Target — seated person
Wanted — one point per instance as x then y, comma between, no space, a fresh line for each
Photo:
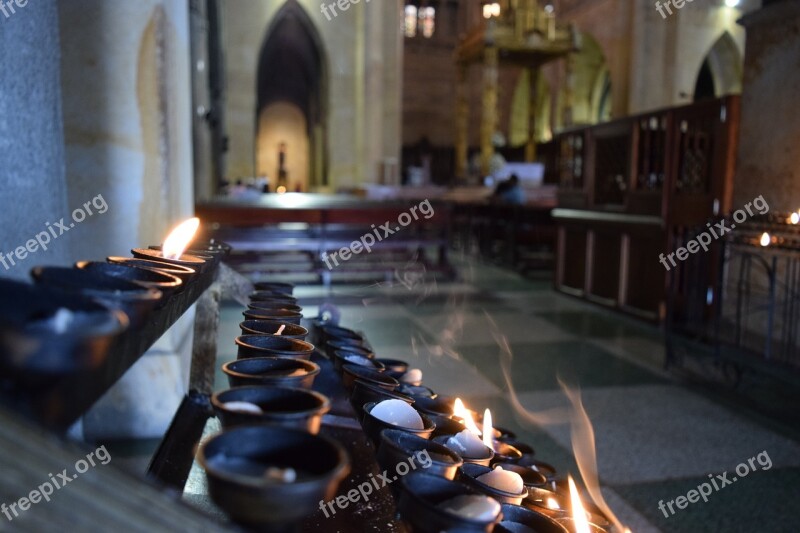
510,191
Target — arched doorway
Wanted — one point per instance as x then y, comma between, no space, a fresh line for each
721,70
291,114
589,78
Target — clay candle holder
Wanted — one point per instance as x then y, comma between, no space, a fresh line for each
515,518
134,300
342,357
350,373
269,327
185,260
46,332
274,286
272,346
238,464
259,296
272,306
277,315
280,406
421,499
396,446
184,273
271,372
333,346
151,279
468,474
329,333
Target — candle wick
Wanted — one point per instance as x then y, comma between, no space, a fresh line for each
280,329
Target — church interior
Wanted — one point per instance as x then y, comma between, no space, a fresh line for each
400,265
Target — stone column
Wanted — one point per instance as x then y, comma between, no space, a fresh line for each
31,138
462,121
533,93
491,62
769,156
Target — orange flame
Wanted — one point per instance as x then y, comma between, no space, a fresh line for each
487,429
765,239
460,411
578,512
177,241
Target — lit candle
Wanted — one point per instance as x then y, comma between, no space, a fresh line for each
177,241
461,411
467,444
398,413
504,480
473,507
413,376
765,239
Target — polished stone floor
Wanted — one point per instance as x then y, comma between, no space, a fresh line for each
656,437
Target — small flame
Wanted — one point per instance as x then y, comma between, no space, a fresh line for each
487,429
578,512
281,190
460,411
177,241
794,218
552,503
765,239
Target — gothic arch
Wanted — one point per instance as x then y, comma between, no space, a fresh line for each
723,66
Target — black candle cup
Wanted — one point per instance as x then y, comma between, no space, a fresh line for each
29,342
503,434
515,516
546,469
273,306
539,499
441,405
329,333
364,393
272,346
468,474
444,424
212,246
270,327
531,478
260,296
417,391
274,286
373,426
187,260
505,453
235,462
350,373
332,346
151,279
483,460
184,273
276,315
271,371
397,446
420,502
211,257
525,449
134,300
395,367
342,357
281,406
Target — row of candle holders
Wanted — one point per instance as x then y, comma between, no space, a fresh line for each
70,317
269,466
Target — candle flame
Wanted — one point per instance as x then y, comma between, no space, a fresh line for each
460,411
281,190
552,504
765,239
280,329
578,512
794,218
487,429
177,241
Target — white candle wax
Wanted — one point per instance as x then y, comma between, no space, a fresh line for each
504,480
467,445
412,376
244,407
474,507
398,413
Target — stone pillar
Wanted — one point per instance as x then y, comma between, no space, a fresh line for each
533,94
491,66
462,121
31,138
769,156
127,121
